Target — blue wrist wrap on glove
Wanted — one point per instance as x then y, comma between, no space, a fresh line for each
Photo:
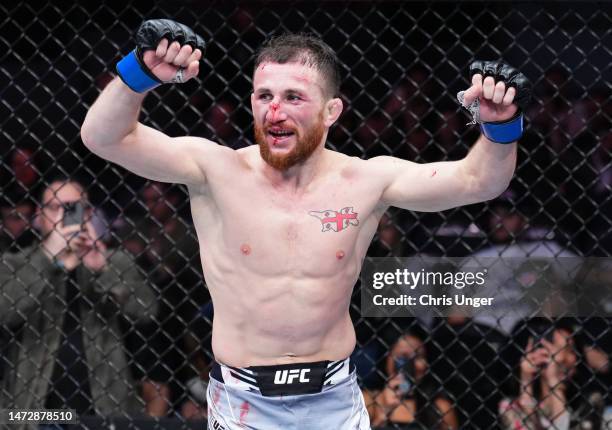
133,74
504,132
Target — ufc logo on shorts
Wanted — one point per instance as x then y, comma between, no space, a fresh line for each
288,376
217,426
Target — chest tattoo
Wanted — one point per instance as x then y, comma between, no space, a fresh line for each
332,220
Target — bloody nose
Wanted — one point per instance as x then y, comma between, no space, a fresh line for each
274,112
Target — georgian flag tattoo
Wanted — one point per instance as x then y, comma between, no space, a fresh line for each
336,220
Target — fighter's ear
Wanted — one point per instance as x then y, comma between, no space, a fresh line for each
333,109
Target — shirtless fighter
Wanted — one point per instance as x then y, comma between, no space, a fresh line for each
284,225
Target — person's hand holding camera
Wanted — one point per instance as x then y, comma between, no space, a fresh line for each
73,240
91,250
553,374
61,241
533,361
61,245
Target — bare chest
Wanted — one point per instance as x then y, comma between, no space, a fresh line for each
310,234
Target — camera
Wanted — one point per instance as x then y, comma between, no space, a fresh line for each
74,213
405,368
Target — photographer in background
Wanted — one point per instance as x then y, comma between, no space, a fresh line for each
410,399
544,393
60,302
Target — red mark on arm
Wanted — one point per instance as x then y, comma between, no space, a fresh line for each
245,249
433,173
340,255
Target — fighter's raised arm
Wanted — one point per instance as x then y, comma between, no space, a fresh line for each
497,99
166,52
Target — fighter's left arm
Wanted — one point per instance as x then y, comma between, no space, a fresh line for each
496,104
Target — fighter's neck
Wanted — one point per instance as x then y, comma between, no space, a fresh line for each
298,178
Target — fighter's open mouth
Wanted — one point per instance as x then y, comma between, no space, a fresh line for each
280,133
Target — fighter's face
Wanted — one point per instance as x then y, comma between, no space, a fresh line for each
291,113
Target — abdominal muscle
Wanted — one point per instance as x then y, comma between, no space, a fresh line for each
267,321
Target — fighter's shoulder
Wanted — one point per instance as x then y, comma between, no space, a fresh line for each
390,167
385,161
345,165
208,153
202,144
248,156
348,165
248,151
216,161
383,165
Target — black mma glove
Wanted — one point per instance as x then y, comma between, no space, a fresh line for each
512,129
132,69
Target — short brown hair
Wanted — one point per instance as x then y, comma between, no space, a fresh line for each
306,49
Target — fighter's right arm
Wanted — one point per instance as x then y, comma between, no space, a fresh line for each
166,52
112,131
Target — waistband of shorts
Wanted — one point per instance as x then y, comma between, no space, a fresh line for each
250,378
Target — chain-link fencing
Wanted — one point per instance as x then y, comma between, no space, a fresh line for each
133,340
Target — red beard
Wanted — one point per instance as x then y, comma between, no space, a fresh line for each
302,150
